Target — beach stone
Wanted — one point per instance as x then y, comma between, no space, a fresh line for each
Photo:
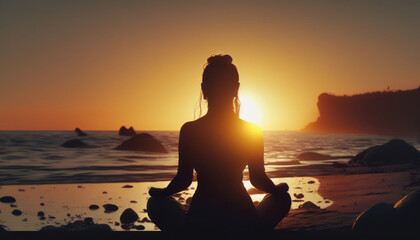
313,156
40,213
110,208
139,227
13,205
298,196
308,205
311,182
126,132
133,201
88,220
42,204
75,143
17,212
381,217
7,199
79,226
408,210
396,151
80,133
128,216
126,226
127,186
21,190
142,142
93,207
42,218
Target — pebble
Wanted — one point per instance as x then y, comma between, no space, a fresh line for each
40,213
311,182
17,212
127,186
300,195
132,201
110,208
139,227
93,207
88,220
42,204
7,199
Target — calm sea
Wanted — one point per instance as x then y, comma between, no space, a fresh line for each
32,157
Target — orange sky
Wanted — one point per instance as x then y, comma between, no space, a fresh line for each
98,65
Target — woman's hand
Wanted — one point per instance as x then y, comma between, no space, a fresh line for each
281,188
157,192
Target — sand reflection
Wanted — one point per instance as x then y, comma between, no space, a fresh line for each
64,203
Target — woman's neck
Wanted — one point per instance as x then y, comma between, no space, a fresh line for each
220,109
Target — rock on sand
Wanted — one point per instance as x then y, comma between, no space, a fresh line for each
129,216
393,152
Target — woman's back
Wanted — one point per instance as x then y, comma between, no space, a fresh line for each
219,150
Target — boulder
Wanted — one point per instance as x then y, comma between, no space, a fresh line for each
128,216
381,217
126,132
75,143
142,142
396,151
408,210
80,133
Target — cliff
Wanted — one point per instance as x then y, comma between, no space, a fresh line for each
388,113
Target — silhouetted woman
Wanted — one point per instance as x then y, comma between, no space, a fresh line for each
218,147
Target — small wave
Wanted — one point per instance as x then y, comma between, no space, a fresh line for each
13,157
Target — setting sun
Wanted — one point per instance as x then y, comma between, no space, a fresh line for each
249,111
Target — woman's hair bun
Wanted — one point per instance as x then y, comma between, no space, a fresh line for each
220,59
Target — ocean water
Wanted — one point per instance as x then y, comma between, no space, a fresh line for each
37,157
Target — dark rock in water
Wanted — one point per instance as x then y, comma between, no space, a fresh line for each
93,207
80,133
396,151
308,205
128,216
7,199
80,226
127,186
408,210
40,213
42,204
127,132
75,143
379,218
110,208
298,196
17,212
142,142
13,205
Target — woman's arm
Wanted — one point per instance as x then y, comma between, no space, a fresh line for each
184,176
257,175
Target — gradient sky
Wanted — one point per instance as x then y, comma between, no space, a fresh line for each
98,65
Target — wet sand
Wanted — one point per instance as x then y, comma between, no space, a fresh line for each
336,200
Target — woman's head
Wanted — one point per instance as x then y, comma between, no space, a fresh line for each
220,82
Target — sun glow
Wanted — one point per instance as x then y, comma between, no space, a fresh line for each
249,111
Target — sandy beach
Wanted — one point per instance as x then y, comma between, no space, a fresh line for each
336,200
